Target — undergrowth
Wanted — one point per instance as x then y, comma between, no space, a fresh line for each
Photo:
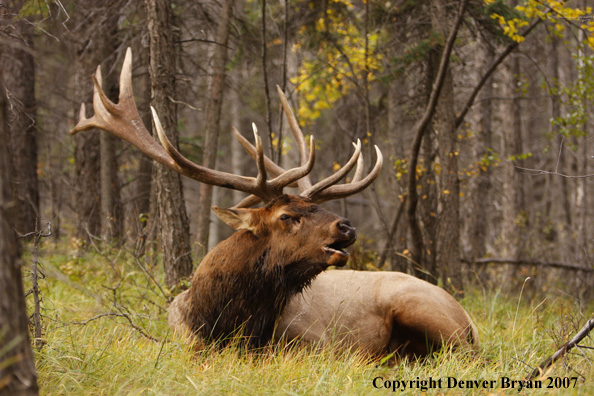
106,333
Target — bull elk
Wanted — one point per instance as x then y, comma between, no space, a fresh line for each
264,269
242,285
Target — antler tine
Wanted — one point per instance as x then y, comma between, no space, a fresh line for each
299,173
261,178
336,177
304,183
123,120
284,178
206,175
345,190
272,167
325,189
248,202
359,170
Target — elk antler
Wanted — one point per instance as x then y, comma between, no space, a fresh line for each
122,120
325,189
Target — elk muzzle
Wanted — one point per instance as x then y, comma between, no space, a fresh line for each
345,235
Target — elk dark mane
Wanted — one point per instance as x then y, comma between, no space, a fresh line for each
247,288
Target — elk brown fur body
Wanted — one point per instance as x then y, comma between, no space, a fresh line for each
378,313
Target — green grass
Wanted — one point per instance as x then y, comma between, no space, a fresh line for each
108,356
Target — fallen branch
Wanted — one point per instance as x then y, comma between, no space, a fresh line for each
536,263
563,350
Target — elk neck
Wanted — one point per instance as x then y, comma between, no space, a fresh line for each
244,283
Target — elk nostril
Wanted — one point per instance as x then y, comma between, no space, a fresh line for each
346,228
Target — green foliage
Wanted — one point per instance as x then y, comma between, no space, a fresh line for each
553,11
338,61
516,157
490,158
86,353
400,168
34,9
575,99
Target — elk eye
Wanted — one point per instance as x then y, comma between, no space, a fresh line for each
285,217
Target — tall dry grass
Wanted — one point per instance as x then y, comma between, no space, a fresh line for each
106,334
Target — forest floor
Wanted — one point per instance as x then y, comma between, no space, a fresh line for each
105,333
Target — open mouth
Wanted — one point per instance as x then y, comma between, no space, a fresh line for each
338,247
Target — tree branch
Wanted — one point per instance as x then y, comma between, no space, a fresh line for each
563,350
536,263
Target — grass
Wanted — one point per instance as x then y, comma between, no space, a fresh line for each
106,334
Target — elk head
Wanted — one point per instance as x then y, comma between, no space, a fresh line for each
245,281
297,233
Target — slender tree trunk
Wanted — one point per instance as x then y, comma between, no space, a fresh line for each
18,66
111,208
146,217
173,221
560,184
87,167
447,241
397,239
447,249
422,246
238,154
18,377
90,50
581,196
213,121
481,184
145,166
417,245
512,145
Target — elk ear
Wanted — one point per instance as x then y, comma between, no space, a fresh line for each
239,219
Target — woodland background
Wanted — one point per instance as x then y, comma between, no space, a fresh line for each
490,184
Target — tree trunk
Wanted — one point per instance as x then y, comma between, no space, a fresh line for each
560,184
481,184
90,51
213,120
19,75
447,241
417,245
581,196
512,145
111,213
111,207
173,221
18,377
397,239
145,220
87,168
